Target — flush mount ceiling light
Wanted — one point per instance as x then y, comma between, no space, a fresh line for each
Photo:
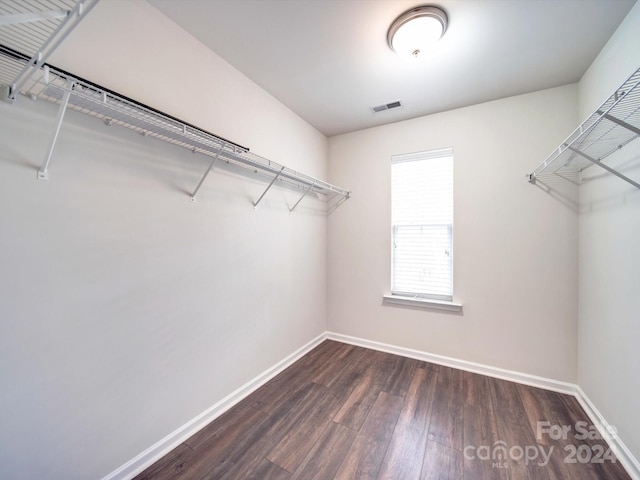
413,32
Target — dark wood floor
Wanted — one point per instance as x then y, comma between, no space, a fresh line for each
345,412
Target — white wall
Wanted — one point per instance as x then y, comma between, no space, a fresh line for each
126,310
609,300
514,244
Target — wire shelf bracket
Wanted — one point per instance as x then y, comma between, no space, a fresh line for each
43,173
195,191
610,128
605,166
301,198
255,204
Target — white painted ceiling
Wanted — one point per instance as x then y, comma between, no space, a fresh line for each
328,60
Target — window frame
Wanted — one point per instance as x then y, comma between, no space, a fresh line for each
429,300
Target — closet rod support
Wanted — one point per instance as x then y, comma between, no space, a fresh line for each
622,123
303,195
43,173
255,205
606,167
195,192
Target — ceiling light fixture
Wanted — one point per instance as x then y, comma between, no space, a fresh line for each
413,32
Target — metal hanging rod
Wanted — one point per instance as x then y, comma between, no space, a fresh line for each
70,91
610,128
10,56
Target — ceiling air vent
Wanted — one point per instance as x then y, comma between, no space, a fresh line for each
386,106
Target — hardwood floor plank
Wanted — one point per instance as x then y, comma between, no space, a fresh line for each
441,463
331,367
475,389
169,467
480,435
543,416
344,384
480,430
365,456
211,453
403,460
272,395
506,398
289,452
230,419
356,408
547,413
515,430
367,355
537,409
253,447
324,352
268,471
446,426
555,414
399,372
276,392
324,459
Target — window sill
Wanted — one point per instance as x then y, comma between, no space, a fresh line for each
422,303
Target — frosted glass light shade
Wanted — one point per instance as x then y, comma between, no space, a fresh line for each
416,30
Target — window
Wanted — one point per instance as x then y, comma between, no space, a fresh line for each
422,225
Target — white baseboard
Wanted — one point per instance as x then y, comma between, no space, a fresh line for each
164,446
152,454
624,455
518,377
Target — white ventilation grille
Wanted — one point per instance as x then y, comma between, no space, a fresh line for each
386,106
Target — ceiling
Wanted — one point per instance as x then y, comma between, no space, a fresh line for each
329,62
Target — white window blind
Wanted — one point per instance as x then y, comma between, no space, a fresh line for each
422,224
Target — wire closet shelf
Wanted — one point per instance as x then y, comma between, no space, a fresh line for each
611,127
46,82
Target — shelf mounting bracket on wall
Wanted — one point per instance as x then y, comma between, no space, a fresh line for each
300,199
609,129
255,205
215,159
626,125
606,167
43,173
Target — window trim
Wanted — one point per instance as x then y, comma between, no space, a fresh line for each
421,302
